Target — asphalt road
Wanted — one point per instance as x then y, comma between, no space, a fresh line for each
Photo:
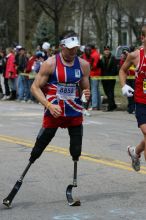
107,186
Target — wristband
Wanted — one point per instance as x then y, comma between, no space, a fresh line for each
48,105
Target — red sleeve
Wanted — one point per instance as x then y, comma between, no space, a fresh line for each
95,58
121,62
29,65
10,64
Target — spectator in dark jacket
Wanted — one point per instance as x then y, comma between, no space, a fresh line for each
22,63
109,68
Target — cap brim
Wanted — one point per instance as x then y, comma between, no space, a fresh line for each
70,42
72,45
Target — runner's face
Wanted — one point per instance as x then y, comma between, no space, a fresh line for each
143,35
69,54
143,39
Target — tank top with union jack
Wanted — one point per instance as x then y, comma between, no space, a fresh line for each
140,80
63,88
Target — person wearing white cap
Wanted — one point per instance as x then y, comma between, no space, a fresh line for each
62,77
46,47
58,86
70,42
18,47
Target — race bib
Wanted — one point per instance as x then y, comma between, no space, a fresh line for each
66,91
144,86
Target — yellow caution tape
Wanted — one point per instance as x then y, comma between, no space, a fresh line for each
30,75
110,77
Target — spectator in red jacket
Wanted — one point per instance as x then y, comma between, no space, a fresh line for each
94,73
93,57
2,70
10,75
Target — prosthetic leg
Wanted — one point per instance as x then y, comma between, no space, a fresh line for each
75,151
70,199
43,139
8,200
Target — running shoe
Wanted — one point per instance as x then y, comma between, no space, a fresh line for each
134,157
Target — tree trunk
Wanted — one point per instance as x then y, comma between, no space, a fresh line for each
22,22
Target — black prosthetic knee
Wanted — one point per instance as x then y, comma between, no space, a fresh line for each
43,139
76,134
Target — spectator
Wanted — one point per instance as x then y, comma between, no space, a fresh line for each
22,87
46,47
109,68
2,70
92,56
10,75
31,75
17,52
95,71
40,57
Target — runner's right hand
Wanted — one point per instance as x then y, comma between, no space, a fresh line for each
127,91
55,110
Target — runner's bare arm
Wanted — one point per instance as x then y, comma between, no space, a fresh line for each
40,80
84,83
124,68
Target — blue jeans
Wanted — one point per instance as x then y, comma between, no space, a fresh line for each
95,93
29,96
23,89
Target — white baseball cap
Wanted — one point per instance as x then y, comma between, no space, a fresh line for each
18,47
70,42
46,45
82,48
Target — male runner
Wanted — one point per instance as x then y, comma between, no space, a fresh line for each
58,86
138,59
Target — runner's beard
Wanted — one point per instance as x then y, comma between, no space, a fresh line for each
68,60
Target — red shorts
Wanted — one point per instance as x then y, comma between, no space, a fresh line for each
63,122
